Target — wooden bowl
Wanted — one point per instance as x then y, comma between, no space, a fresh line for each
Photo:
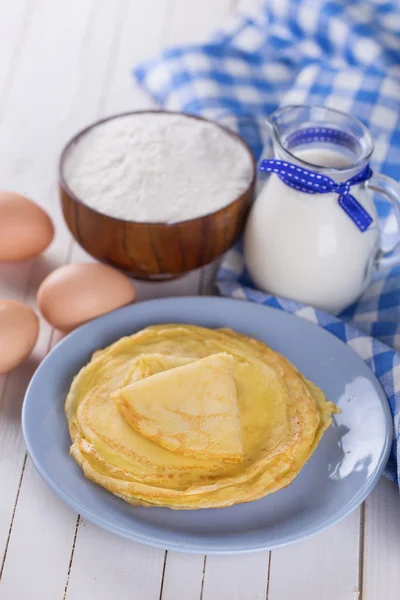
153,251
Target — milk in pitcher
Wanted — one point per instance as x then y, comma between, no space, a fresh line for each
305,247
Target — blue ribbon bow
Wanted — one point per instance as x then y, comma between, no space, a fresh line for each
312,182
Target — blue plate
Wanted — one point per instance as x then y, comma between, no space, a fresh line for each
341,473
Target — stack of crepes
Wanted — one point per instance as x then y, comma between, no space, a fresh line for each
188,417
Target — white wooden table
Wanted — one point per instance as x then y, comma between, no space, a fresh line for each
64,63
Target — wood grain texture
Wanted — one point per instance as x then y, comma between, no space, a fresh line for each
241,577
381,572
40,544
324,566
183,576
106,567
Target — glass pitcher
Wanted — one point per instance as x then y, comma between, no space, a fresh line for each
319,246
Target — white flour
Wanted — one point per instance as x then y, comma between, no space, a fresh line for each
157,167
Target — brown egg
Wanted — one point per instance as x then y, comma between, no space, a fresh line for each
76,293
19,329
25,228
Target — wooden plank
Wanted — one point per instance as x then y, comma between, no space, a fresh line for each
195,23
106,566
240,577
381,572
323,566
140,37
19,151
63,67
183,576
12,450
14,21
40,543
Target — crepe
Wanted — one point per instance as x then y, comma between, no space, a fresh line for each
279,418
191,409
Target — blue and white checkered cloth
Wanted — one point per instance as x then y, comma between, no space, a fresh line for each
341,53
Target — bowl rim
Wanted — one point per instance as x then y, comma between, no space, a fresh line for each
82,132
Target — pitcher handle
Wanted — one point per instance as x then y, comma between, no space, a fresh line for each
389,188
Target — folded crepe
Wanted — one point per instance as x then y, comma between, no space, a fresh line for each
191,409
